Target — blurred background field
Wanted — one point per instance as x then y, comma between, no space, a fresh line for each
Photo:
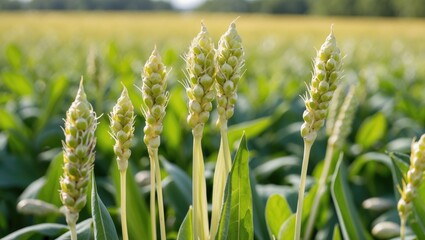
44,54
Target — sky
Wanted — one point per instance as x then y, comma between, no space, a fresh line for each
186,4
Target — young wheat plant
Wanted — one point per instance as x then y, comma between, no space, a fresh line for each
324,82
413,181
155,99
122,130
78,157
200,68
230,61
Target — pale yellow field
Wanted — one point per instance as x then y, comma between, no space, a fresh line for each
180,28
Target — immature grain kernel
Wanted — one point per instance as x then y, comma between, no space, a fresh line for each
326,73
200,67
414,177
230,63
155,98
78,154
122,128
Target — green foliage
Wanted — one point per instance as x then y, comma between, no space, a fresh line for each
31,232
277,212
372,130
185,231
39,73
236,215
350,221
103,225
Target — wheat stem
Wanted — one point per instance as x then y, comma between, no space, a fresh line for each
152,199
307,149
320,191
73,230
200,213
123,204
154,156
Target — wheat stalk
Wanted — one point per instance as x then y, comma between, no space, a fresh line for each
78,157
122,130
326,74
155,99
230,61
200,70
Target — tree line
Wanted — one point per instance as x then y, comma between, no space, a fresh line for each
387,8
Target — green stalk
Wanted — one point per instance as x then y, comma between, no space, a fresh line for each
306,157
222,169
152,200
159,193
123,204
320,191
402,228
73,231
200,207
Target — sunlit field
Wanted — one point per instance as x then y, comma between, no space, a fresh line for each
43,55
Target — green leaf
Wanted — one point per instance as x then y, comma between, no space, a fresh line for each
236,216
337,234
138,219
14,56
185,231
277,212
53,100
44,229
17,83
84,231
250,128
372,130
104,227
177,189
348,217
287,230
50,190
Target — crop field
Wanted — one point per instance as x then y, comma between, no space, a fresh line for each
43,56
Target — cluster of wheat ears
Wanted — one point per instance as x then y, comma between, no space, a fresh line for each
211,73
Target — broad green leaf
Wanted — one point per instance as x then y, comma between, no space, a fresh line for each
33,189
14,56
250,128
138,219
9,121
14,172
44,229
177,189
337,234
351,225
277,212
185,231
359,163
236,215
53,100
287,230
52,185
372,130
180,178
17,83
84,231
104,227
